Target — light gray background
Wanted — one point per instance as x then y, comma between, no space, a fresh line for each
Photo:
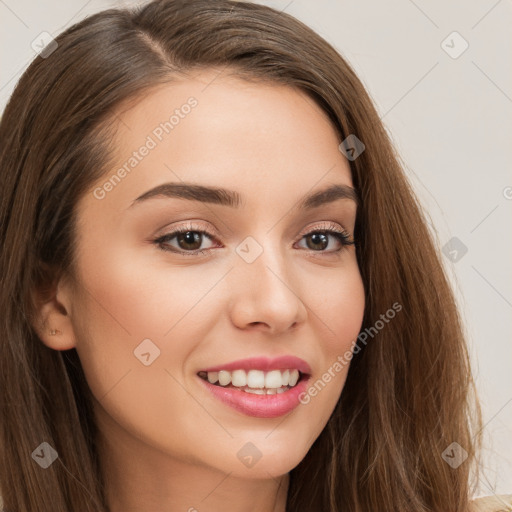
451,121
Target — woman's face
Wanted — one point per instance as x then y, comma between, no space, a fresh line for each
149,312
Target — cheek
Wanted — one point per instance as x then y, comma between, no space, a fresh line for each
134,296
137,327
337,307
136,318
337,312
343,306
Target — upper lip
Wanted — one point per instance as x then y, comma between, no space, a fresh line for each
264,364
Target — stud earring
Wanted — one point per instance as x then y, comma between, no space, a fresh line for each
53,332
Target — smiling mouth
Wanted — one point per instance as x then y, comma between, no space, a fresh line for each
255,381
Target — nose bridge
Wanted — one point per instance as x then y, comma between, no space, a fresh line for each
263,288
263,260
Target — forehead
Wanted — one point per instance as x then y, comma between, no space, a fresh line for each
220,130
224,105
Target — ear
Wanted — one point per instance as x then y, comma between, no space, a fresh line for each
52,299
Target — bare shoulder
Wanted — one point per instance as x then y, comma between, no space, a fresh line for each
494,503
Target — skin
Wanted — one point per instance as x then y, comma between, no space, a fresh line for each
166,443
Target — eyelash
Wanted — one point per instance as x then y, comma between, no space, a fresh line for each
341,235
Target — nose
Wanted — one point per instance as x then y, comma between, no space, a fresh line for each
266,295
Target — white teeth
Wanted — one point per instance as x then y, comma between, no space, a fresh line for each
213,377
272,382
224,378
273,379
239,378
256,379
294,377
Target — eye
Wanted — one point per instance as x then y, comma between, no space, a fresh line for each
318,240
188,240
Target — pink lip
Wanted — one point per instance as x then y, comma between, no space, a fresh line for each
264,364
261,406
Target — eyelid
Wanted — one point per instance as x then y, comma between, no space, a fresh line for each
190,225
324,226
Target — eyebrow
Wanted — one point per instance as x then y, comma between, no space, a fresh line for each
233,199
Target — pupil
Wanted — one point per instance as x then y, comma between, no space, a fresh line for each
319,238
191,237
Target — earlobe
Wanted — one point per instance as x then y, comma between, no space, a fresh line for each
54,328
57,339
52,321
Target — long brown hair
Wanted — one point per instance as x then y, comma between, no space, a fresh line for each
409,393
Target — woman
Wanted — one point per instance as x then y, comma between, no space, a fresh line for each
219,290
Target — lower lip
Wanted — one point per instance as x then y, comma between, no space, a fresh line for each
261,406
